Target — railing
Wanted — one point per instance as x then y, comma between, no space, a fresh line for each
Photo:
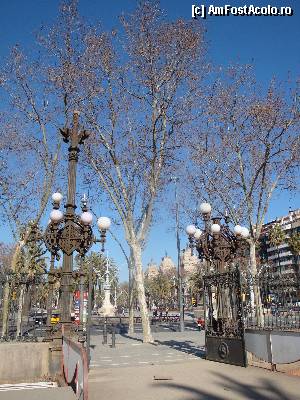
19,296
117,320
271,301
165,318
137,320
75,367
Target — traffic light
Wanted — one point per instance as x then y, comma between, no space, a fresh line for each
194,302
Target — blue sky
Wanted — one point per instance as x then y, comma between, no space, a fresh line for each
272,44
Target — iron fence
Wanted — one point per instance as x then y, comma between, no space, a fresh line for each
271,301
24,305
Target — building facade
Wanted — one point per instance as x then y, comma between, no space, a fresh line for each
281,258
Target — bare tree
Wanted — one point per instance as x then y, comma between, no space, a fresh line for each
135,110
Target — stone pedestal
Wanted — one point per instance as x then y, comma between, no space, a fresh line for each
107,309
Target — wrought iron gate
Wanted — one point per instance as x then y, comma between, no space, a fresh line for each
224,326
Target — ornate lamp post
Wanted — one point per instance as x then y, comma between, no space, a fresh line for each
220,247
68,232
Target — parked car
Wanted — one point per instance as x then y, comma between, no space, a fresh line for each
40,318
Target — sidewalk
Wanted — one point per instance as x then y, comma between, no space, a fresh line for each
174,369
201,380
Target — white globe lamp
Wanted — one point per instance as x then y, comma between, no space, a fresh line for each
205,208
86,218
103,223
245,232
238,230
57,197
215,228
197,234
190,230
56,216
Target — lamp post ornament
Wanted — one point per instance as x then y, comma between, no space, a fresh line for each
217,244
68,232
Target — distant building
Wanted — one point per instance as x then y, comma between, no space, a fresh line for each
281,258
190,262
167,265
151,270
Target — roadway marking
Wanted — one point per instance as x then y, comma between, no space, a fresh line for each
114,364
28,386
170,353
154,354
144,362
136,344
124,356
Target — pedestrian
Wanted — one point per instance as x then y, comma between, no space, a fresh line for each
154,310
167,312
160,313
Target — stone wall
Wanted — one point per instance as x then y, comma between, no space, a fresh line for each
25,362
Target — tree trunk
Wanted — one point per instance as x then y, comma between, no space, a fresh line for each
5,310
139,280
20,311
131,300
255,291
27,304
7,290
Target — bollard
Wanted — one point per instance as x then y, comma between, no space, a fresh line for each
113,336
105,332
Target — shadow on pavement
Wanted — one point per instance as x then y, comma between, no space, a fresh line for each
186,346
125,335
264,390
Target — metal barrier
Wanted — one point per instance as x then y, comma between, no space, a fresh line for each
272,316
275,347
279,301
75,367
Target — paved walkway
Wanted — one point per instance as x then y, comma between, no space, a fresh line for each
170,347
174,369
